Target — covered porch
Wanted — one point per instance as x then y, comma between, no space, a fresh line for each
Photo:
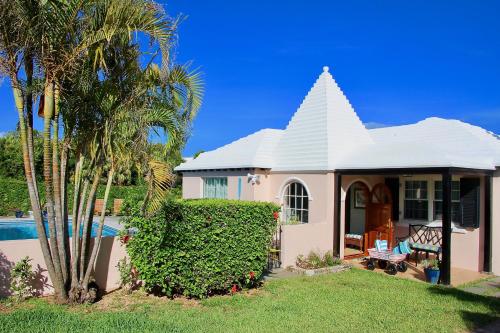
453,205
458,276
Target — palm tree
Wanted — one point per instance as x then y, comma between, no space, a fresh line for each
81,58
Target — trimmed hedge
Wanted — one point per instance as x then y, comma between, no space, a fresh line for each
202,247
14,195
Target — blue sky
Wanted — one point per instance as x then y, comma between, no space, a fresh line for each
398,62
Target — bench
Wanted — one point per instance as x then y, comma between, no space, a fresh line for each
354,240
425,239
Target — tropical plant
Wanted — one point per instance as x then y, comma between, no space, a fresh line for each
127,275
432,264
80,63
21,279
315,260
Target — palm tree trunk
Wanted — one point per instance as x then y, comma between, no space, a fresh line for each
30,180
64,202
56,181
78,203
97,239
87,222
28,65
49,189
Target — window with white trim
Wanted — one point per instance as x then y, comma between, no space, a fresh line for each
295,204
215,187
416,203
455,201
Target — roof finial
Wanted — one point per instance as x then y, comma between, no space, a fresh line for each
325,69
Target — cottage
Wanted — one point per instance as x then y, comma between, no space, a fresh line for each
341,185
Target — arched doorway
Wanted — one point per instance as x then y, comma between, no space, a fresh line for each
355,219
367,218
379,215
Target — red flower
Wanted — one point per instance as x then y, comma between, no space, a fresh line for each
252,275
125,239
276,215
234,289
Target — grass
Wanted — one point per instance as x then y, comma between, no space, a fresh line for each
355,300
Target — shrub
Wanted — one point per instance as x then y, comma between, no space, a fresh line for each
14,195
315,260
202,247
21,279
127,276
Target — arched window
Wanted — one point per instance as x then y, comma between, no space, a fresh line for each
296,204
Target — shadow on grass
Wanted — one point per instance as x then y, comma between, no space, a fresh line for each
473,320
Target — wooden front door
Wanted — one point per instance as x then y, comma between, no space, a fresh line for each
378,216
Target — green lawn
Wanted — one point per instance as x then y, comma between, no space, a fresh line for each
353,301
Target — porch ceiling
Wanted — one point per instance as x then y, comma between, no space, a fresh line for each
414,171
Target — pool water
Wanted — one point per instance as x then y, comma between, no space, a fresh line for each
12,230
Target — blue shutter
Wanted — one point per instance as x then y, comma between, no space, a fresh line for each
469,202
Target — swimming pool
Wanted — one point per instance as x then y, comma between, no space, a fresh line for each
26,229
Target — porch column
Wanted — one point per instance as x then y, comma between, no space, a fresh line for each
487,224
338,215
446,245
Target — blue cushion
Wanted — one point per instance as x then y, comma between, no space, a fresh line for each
404,247
396,250
425,247
381,245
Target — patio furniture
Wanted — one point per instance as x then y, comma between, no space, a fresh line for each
386,259
425,239
354,240
117,206
99,204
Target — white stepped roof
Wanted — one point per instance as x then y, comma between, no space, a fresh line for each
326,134
323,130
433,142
253,151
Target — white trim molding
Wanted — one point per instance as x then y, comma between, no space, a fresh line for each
292,180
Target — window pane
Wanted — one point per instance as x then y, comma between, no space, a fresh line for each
416,209
296,203
455,190
215,187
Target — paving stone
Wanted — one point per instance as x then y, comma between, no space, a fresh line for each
279,273
491,328
489,284
476,290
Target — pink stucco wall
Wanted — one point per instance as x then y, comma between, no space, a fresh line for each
318,234
106,273
192,184
496,223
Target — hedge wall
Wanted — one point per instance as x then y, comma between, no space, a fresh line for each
14,195
202,247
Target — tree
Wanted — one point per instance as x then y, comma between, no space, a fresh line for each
79,61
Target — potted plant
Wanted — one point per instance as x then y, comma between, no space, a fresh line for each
19,213
431,269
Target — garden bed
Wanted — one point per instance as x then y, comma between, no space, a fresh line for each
323,270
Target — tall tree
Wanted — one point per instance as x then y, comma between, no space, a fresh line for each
81,61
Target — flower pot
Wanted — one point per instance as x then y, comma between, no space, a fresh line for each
431,275
19,214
